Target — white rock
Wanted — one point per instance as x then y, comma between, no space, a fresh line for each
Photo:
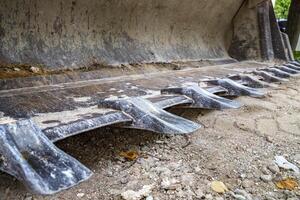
133,195
266,178
209,197
219,198
170,183
150,198
283,163
243,176
197,169
34,69
80,195
239,197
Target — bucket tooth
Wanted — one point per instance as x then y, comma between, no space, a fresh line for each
288,70
148,116
278,72
33,159
292,66
174,101
253,81
268,77
218,90
237,89
203,98
295,63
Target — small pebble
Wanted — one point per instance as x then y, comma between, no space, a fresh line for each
80,195
243,193
237,196
269,139
149,198
274,168
219,198
247,183
34,69
170,184
266,178
209,196
124,180
269,198
265,171
243,176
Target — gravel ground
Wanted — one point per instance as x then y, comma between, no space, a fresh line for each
235,147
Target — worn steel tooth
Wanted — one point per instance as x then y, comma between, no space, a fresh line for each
295,63
287,69
148,116
175,101
292,66
203,98
217,90
268,77
277,72
31,157
252,81
237,89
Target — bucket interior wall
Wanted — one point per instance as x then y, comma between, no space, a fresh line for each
68,33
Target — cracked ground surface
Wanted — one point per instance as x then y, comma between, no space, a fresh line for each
234,146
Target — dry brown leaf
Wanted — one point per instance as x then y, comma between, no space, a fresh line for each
287,184
130,155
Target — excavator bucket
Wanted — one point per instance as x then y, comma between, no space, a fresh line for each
67,67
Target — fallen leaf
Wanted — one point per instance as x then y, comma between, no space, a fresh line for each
287,184
219,187
130,155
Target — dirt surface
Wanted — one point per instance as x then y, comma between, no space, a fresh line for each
236,147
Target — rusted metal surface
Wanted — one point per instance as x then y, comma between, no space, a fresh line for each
74,33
